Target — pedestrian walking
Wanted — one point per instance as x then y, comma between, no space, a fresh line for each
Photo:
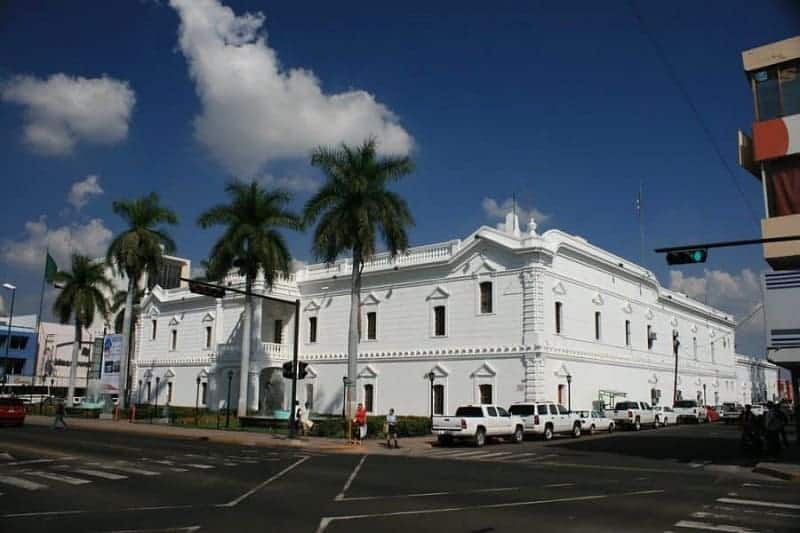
61,411
360,422
751,439
305,420
773,424
391,429
298,414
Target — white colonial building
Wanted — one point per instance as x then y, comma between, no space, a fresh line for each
501,316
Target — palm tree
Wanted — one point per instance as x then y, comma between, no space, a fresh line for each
250,244
353,207
83,294
136,251
118,310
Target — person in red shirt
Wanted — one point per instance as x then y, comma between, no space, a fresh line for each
361,422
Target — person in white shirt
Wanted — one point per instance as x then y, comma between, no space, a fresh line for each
391,429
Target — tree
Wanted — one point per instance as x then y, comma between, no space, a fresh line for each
118,310
352,208
82,295
250,244
136,251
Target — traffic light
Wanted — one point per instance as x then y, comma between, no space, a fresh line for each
206,289
302,371
288,366
288,369
686,257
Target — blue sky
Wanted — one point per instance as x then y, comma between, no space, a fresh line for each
565,104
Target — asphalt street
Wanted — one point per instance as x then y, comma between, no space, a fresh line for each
678,479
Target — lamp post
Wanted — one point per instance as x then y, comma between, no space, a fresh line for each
197,401
344,396
13,290
228,404
431,376
158,379
676,343
569,392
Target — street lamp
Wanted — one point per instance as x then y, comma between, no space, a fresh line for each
431,376
13,290
344,396
676,343
228,405
569,392
197,401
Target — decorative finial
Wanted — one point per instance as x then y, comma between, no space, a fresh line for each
532,227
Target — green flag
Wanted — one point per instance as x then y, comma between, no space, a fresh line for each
50,269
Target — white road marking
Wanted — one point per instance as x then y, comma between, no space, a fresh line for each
690,524
758,503
518,456
42,513
5,456
60,477
557,485
350,479
265,483
39,461
21,483
199,466
496,454
427,494
188,529
99,473
176,469
230,464
129,469
465,454
534,459
444,453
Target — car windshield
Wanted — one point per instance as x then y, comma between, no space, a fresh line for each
686,403
469,412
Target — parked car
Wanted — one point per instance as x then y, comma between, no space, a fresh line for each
690,411
593,421
731,412
633,414
712,414
758,409
12,411
664,415
546,419
477,423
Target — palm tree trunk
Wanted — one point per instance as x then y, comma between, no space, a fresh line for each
353,337
244,370
126,337
73,368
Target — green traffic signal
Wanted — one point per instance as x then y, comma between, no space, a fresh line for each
685,257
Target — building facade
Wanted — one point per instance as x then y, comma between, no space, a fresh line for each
757,381
501,316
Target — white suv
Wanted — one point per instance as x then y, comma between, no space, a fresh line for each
547,418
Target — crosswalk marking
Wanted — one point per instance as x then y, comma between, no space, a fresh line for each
466,454
99,473
21,483
496,454
128,469
199,466
758,503
59,477
691,524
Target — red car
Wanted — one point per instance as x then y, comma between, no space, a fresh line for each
713,415
12,411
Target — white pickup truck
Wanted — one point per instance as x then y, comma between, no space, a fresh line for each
690,411
633,414
476,423
546,419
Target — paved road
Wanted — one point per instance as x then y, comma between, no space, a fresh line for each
101,482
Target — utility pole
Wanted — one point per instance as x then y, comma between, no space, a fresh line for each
675,345
295,369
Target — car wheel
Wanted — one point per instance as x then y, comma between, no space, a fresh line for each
548,433
576,430
480,438
519,435
637,425
611,428
591,429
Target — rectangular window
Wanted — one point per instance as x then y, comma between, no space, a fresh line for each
438,399
491,411
486,393
154,329
312,329
372,325
627,333
173,343
369,397
277,335
203,393
597,319
486,297
768,95
790,88
438,321
309,398
208,336
149,391
558,317
18,342
649,337
169,392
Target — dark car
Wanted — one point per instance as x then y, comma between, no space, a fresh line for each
12,411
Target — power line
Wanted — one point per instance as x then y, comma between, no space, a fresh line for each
698,117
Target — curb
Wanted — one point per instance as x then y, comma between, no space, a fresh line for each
785,472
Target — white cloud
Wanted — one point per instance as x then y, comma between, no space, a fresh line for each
291,183
255,110
737,294
80,191
63,110
495,210
91,238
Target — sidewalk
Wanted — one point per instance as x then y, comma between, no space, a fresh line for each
242,438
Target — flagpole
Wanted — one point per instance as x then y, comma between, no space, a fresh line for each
39,318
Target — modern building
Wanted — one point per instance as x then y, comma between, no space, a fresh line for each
772,154
18,355
502,316
757,380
